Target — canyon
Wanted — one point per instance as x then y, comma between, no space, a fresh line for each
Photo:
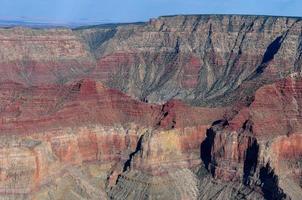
179,107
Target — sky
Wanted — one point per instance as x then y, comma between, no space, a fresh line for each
111,11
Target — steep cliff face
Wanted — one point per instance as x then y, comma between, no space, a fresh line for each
261,144
180,107
33,57
197,58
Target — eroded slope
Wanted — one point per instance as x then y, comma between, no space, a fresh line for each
181,107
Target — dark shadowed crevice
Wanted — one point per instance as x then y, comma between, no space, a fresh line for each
206,149
177,46
250,162
164,113
298,60
137,149
272,49
248,126
162,117
270,184
222,122
196,24
269,54
207,145
173,123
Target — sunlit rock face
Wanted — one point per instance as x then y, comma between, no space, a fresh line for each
201,59
180,107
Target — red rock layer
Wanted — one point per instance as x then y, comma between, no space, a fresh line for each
35,160
54,115
286,156
35,57
266,133
60,126
275,110
197,58
35,108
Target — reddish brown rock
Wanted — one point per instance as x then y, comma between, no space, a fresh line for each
286,155
276,108
115,111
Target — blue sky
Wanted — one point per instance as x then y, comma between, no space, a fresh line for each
138,10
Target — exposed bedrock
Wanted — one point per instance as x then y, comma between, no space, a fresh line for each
230,155
45,144
37,56
194,58
244,149
276,109
237,157
180,107
197,58
29,164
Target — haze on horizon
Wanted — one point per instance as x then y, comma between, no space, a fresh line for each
101,11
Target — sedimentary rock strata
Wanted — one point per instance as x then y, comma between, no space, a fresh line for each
180,107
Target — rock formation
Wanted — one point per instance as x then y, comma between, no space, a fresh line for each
180,107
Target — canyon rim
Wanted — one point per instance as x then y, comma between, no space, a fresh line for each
180,107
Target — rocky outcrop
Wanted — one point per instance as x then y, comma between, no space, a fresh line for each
244,149
40,129
34,57
180,107
281,114
197,58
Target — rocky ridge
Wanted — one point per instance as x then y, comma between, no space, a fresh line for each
180,107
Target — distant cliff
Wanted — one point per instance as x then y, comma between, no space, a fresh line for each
180,107
196,58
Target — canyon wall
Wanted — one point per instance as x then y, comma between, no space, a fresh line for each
180,107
